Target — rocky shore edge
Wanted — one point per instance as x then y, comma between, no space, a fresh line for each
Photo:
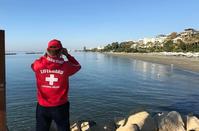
143,121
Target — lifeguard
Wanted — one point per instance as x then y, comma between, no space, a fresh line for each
52,78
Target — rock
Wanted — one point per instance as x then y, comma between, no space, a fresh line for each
192,123
83,126
74,127
120,123
132,127
171,122
143,121
158,117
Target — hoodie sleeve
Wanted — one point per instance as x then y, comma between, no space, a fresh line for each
73,65
36,65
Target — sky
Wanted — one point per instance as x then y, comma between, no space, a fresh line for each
30,24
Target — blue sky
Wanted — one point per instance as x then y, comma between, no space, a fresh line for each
30,24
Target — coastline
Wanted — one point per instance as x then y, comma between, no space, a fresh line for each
143,121
182,62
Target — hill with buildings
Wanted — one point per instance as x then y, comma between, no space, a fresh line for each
186,41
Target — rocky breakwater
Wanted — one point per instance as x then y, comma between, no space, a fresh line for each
143,121
171,121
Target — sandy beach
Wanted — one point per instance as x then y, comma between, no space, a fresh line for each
191,64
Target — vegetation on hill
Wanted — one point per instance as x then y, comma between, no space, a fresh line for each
188,43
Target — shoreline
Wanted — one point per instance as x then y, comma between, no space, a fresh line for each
182,62
143,121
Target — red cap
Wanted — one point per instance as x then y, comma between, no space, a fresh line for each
54,44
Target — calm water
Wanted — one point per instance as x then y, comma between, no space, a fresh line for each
107,87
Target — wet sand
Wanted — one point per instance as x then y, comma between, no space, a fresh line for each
191,64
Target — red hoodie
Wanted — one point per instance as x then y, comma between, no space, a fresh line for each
52,79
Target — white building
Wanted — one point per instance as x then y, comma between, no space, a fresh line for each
176,39
134,46
146,40
160,38
100,47
188,32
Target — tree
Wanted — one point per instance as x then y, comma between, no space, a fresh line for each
182,45
168,46
114,45
107,48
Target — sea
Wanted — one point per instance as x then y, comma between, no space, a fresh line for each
106,88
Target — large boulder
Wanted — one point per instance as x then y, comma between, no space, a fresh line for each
171,122
83,126
132,127
140,121
192,123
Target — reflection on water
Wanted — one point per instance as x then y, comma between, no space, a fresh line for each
154,71
106,87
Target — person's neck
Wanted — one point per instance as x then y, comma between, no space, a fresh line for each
53,56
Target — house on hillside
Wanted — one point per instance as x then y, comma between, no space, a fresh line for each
177,39
149,40
100,47
188,32
160,38
140,41
134,46
157,41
